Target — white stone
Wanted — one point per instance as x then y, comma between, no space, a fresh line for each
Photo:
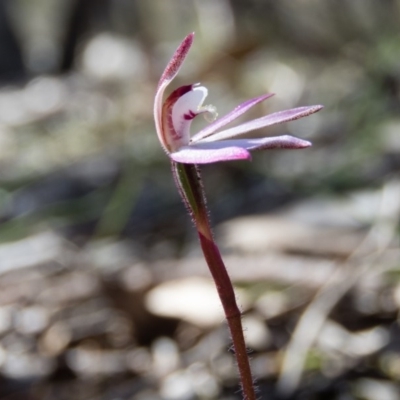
193,299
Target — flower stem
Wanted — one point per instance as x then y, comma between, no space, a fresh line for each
232,312
188,180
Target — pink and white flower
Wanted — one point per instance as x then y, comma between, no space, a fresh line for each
174,116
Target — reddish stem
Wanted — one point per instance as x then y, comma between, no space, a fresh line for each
232,312
188,180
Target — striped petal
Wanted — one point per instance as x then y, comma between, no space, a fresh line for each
226,119
268,120
179,110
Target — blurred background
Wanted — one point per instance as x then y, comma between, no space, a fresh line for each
103,290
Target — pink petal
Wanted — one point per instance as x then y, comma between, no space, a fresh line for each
268,120
177,60
204,155
273,142
227,150
169,73
226,119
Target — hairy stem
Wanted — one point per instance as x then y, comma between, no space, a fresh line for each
188,180
232,312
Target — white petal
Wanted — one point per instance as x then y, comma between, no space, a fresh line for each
185,109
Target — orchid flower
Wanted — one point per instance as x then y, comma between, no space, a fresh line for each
174,116
173,119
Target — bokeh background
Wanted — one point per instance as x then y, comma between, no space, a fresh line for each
103,290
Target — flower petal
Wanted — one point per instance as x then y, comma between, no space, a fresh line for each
184,110
226,119
169,73
209,153
268,120
273,142
227,150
